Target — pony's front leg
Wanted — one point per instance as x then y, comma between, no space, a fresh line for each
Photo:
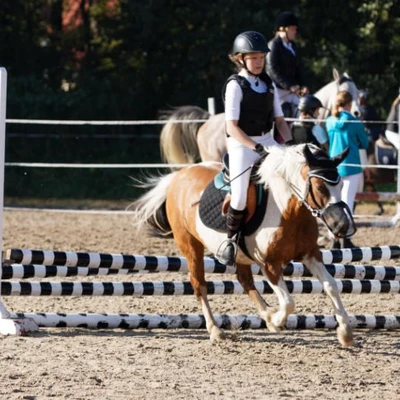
344,330
276,319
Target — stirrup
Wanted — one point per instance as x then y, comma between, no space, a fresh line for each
227,254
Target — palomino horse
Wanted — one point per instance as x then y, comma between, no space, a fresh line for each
188,142
299,184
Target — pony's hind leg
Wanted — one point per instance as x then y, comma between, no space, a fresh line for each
245,277
193,250
344,330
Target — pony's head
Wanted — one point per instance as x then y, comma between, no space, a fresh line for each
327,94
307,172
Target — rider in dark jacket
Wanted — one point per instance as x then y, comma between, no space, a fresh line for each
284,64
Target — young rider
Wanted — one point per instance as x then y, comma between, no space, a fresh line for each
306,131
252,106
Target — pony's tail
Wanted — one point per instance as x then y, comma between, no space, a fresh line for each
150,211
178,141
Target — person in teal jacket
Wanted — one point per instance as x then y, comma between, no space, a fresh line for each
345,130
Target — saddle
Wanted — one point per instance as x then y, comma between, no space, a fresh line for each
215,201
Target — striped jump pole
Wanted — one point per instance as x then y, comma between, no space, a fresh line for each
18,288
294,270
192,321
115,261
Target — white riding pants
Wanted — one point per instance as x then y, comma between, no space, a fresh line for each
350,188
286,96
241,159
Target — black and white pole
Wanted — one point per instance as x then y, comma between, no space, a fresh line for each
8,325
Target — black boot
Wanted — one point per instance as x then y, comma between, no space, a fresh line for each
227,255
336,244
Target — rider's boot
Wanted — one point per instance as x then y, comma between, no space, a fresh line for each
227,254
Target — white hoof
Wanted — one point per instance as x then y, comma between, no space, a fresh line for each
345,335
216,334
273,320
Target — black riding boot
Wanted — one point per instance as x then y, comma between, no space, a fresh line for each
227,255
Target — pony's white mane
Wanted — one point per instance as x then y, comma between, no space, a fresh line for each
282,164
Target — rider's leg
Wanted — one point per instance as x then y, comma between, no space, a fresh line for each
241,159
233,225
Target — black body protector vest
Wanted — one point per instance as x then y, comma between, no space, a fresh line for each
302,133
256,109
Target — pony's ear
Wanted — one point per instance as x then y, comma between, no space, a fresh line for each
340,157
336,74
311,160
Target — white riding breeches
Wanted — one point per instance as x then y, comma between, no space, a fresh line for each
286,96
350,188
241,159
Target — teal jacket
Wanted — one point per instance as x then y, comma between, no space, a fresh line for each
344,134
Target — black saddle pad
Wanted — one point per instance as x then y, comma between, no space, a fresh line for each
210,208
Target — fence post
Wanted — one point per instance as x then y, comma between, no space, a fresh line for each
8,326
211,105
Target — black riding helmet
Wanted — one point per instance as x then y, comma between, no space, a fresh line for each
309,103
286,19
250,42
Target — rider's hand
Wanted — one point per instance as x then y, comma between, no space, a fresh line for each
260,150
295,89
290,142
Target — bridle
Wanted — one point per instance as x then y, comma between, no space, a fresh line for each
321,173
335,216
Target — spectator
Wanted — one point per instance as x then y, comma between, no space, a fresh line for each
392,128
305,130
284,64
368,113
344,131
251,109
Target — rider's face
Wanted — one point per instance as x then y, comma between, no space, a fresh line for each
255,62
291,32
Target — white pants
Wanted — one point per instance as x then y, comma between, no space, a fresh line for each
287,96
350,188
241,159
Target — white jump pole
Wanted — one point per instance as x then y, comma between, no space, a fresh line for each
8,326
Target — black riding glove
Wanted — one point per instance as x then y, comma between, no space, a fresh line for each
290,142
260,150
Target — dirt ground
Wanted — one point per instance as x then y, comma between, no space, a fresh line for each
181,364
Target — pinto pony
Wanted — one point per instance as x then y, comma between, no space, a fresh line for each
302,183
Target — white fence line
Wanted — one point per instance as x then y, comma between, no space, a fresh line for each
151,165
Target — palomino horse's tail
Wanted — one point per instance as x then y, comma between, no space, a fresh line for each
150,209
178,141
